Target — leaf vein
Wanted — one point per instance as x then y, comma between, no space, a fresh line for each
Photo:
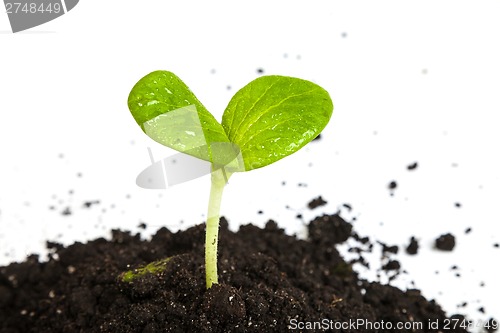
267,128
251,109
270,109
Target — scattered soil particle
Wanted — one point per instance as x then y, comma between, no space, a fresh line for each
66,211
412,248
337,229
362,240
90,203
468,230
445,242
412,166
347,206
392,265
393,185
389,248
260,71
318,137
317,202
267,279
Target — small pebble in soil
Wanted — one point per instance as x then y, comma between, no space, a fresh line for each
260,70
445,242
317,202
458,204
468,230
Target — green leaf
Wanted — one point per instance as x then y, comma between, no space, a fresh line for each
274,116
169,113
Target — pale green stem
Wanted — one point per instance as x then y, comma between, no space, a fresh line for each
219,180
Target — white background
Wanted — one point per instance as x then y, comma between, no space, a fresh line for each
411,82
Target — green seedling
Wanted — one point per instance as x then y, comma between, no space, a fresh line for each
267,120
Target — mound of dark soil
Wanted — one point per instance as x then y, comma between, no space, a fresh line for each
269,282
